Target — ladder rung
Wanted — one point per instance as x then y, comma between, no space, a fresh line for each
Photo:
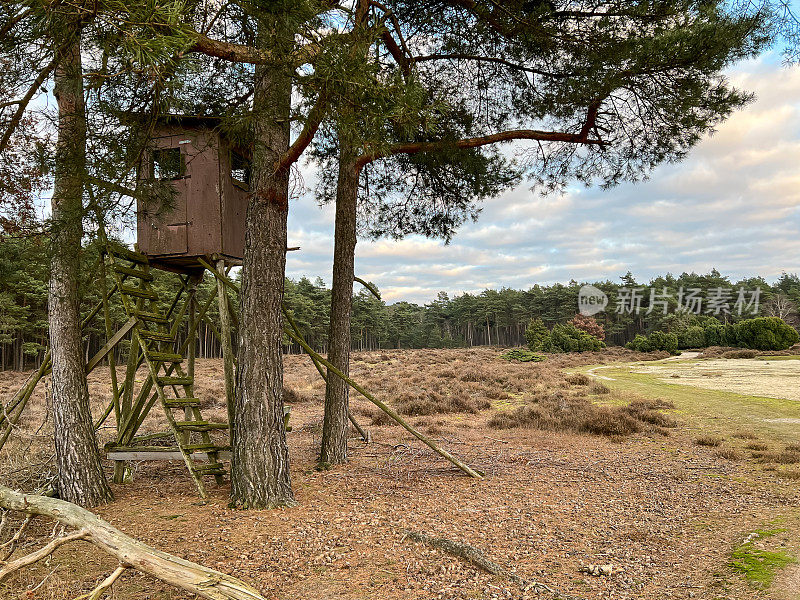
113,448
138,292
166,357
133,273
199,425
156,335
206,448
210,469
151,317
182,402
175,380
130,255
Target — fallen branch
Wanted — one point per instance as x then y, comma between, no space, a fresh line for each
131,553
39,554
477,558
97,592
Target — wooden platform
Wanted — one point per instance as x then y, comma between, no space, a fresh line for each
165,455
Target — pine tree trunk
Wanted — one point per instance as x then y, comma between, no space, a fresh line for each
80,474
260,466
335,425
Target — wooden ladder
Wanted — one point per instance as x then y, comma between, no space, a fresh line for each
156,333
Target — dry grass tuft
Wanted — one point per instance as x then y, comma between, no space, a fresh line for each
729,454
711,441
757,446
784,457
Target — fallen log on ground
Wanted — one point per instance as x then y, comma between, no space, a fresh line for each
131,553
477,558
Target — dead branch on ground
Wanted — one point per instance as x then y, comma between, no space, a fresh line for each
131,553
477,558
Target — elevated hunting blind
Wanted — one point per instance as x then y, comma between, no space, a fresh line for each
210,176
199,227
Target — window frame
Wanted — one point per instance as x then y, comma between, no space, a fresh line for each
180,174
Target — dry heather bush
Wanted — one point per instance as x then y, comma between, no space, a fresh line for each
793,475
598,388
715,351
578,379
792,448
711,441
745,435
428,382
557,411
292,396
433,402
743,353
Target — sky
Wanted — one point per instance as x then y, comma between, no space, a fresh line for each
733,204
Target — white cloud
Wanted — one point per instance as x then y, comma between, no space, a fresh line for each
733,204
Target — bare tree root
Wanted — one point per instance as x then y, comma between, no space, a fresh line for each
477,558
131,553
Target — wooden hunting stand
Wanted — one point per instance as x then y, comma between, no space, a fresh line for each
202,226
201,230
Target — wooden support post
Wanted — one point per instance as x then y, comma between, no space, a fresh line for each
112,363
227,344
191,348
122,473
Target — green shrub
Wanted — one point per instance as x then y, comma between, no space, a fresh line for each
520,355
766,333
568,338
639,344
714,334
658,340
692,337
536,335
731,335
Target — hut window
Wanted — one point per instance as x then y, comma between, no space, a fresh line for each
168,163
240,170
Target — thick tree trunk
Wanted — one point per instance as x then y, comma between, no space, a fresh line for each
80,474
260,466
335,425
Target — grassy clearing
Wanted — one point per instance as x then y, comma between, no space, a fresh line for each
712,412
758,565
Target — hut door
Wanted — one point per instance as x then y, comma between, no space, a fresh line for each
168,226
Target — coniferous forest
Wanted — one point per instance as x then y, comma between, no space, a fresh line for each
451,320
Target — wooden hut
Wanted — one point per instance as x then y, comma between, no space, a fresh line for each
211,178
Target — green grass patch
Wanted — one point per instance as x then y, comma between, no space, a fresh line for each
760,566
791,357
714,412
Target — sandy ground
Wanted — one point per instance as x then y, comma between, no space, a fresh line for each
770,378
664,512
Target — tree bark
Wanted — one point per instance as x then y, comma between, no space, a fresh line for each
335,424
260,457
80,474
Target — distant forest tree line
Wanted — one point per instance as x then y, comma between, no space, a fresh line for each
492,317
